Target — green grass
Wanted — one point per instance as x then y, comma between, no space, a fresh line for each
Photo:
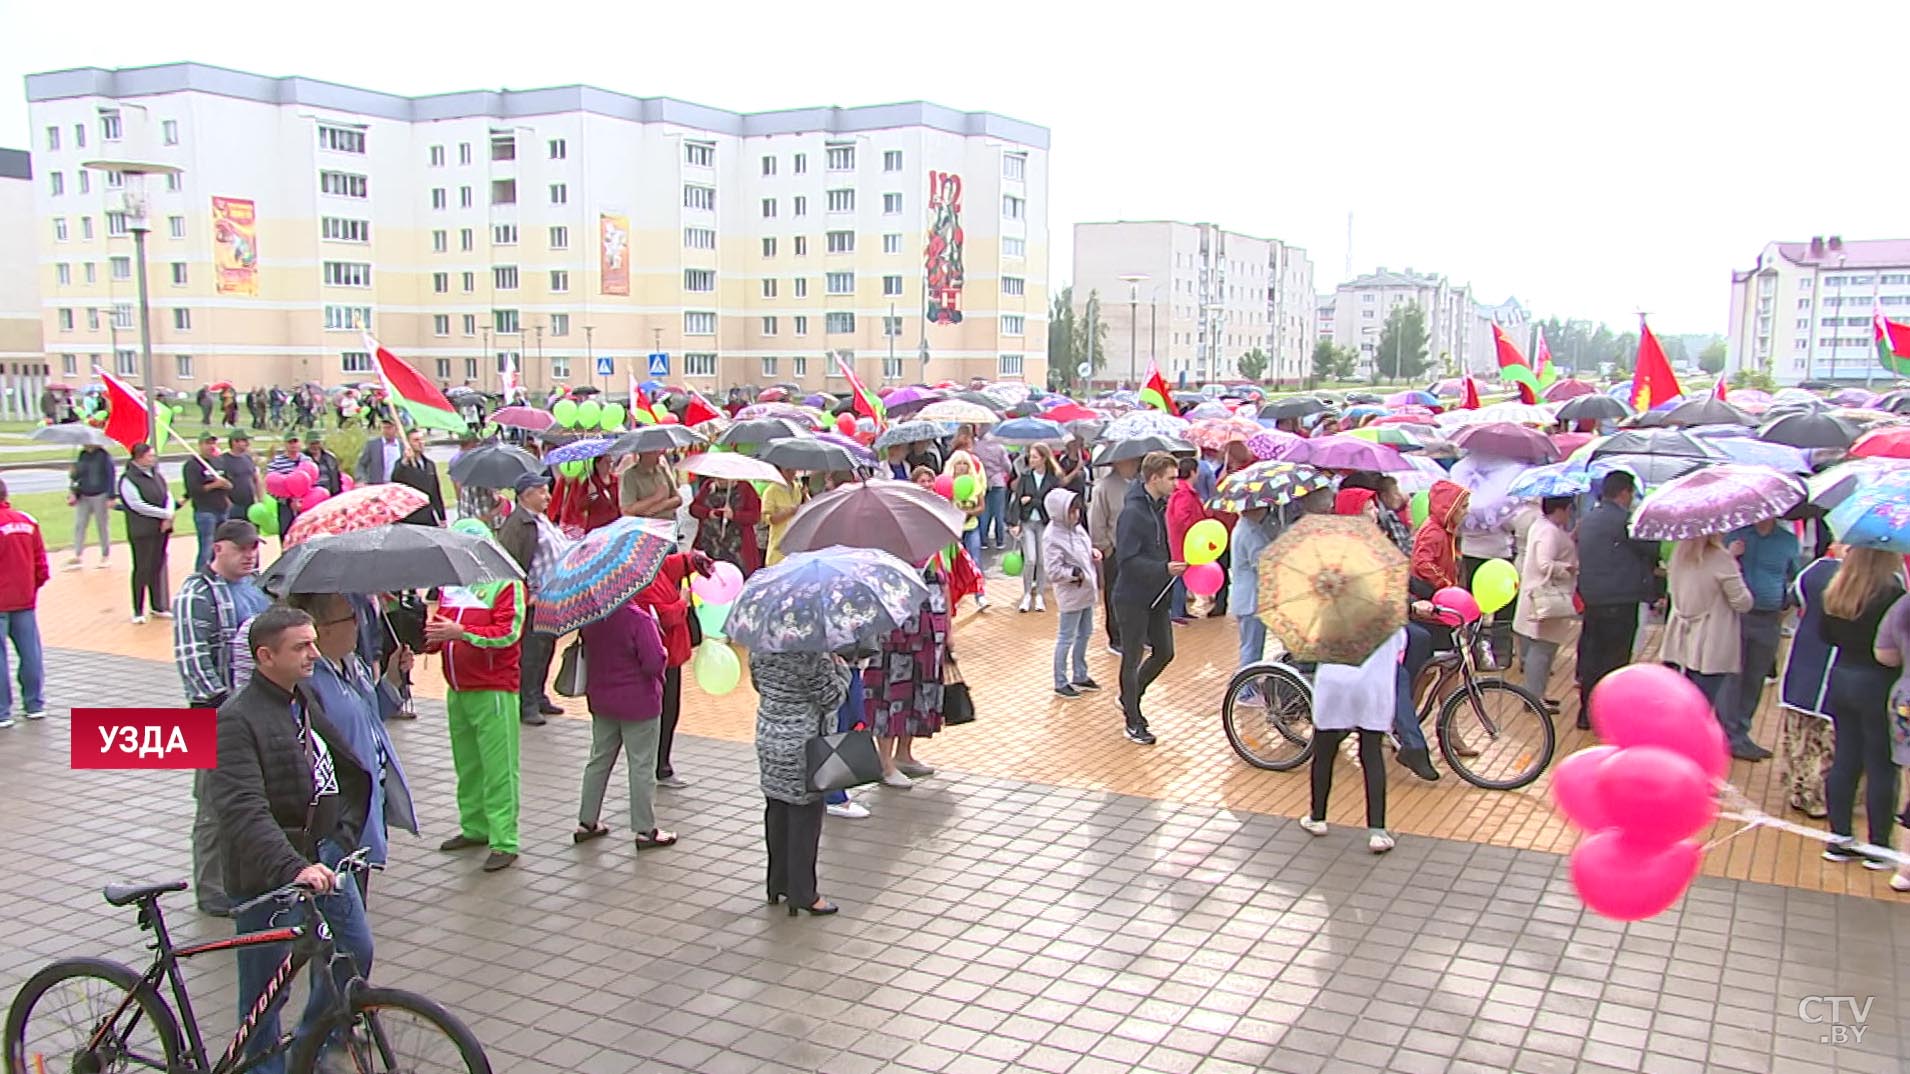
15,434
55,517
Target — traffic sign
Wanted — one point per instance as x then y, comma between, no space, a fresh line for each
659,363
606,366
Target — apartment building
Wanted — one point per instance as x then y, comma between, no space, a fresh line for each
1803,311
23,371
1458,328
551,227
1195,297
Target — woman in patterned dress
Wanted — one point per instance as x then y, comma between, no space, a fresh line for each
903,685
726,514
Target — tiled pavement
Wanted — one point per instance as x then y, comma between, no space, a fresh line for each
989,925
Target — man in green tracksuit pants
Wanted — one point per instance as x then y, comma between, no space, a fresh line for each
479,630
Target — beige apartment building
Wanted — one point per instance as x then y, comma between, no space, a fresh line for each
1194,298
1458,328
1803,311
23,370
550,227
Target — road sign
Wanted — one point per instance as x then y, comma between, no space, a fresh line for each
659,363
1084,369
606,367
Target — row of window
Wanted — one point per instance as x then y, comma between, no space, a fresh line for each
119,268
56,182
1862,301
109,130
1858,281
125,364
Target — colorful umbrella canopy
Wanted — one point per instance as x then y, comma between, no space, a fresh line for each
772,395
907,432
601,572
828,600
902,402
578,450
1029,431
358,508
1412,398
1111,452
1571,442
1404,437
1267,484
1897,402
523,417
1449,388
1072,411
389,559
1594,407
1707,410
1891,443
1716,499
898,517
731,466
1877,516
1569,388
1273,443
1742,448
957,412
493,466
1846,479
1214,434
857,451
1516,413
1145,423
1332,589
1342,452
1504,440
1558,479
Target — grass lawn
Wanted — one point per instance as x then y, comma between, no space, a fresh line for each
13,435
56,521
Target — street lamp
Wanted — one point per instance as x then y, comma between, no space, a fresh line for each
1210,323
135,204
1133,281
590,357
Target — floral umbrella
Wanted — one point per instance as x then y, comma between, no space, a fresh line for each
1273,443
1716,499
1878,516
789,411
1558,479
601,572
1332,589
957,412
1140,423
578,450
907,432
1267,484
902,402
1516,413
1504,440
1214,434
358,508
1343,452
825,601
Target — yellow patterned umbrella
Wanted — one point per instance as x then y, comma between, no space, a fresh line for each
1332,589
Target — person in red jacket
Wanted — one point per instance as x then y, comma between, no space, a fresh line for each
579,505
22,572
1436,545
666,598
726,514
1183,510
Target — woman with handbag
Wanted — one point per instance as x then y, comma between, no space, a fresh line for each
1542,619
904,684
624,663
797,694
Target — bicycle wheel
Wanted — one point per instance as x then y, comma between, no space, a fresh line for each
1507,726
60,1009
392,1031
1268,716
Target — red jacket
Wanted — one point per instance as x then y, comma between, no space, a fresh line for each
579,505
485,658
665,597
1183,510
22,560
1436,545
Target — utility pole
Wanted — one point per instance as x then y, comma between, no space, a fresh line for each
590,358
891,328
548,373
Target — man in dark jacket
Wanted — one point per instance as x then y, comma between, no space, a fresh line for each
330,469
209,493
1146,568
241,472
535,543
90,489
1614,578
291,802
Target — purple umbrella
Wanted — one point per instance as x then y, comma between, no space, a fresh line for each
1716,499
1273,444
1504,440
855,449
898,517
904,401
1341,452
1853,397
818,400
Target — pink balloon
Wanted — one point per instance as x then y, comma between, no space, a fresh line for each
1628,881
1652,705
294,484
345,483
275,485
945,487
1575,788
1204,579
309,468
722,585
1459,601
845,423
313,497
1655,796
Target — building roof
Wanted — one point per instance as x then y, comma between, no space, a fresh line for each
509,104
1182,223
1387,278
1837,252
16,164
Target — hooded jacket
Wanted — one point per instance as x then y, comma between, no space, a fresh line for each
1069,552
1140,548
492,616
1436,545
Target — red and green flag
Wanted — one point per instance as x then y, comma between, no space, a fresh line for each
642,411
420,398
1514,368
127,419
1154,391
1652,381
1893,341
867,403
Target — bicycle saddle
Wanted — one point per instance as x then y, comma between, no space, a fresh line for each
122,894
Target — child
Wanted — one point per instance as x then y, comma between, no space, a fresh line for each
959,467
1070,557
1346,699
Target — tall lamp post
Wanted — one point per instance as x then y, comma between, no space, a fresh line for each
135,204
1133,281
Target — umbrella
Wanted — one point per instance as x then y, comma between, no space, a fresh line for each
1594,407
1750,399
1570,442
653,438
1716,499
1516,413
1122,450
1450,387
1569,388
1894,402
1332,589
1070,411
1661,442
761,431
907,432
215,386
72,432
358,508
790,411
808,454
1795,395
1853,397
1877,516
1403,437
601,572
584,391
817,400
1648,469
1424,473
579,450
772,395
826,601
1007,393
898,517
1744,449
730,466
1209,409
1273,443
902,402
1558,479
523,417
1507,441
1412,398
1267,484
1298,406
1893,443
389,559
494,466
1342,452
958,412
1363,397
1408,415
1841,482
1214,434
1145,423
1028,431
1707,410
856,449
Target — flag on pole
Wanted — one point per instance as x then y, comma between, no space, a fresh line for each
1652,381
641,411
1154,390
1893,341
1544,352
127,419
1720,389
1512,365
420,398
513,383
1469,400
867,403
699,410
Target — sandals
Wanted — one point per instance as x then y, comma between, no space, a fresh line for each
654,838
585,835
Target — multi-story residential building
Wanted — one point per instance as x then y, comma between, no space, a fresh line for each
1454,325
1803,311
550,227
23,371
1325,309
1206,296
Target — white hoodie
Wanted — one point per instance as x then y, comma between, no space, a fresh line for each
1065,546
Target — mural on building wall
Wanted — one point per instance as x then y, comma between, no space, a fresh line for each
235,246
613,244
943,257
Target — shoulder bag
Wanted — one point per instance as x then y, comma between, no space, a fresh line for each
958,705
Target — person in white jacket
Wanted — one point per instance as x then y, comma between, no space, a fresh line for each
1071,561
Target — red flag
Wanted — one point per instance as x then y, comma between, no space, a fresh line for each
128,422
1510,358
1154,391
420,398
1470,400
1652,381
699,410
1720,388
641,411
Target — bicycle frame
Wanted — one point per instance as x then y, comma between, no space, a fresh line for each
1437,694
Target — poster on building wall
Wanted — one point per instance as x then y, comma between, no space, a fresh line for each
235,246
613,246
942,260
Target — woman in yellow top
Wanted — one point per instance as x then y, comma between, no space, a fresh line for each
780,503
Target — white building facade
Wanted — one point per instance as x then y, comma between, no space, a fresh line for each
1803,311
23,369
1455,324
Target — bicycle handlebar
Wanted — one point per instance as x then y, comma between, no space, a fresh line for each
351,863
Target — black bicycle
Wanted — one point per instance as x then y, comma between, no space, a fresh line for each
93,1015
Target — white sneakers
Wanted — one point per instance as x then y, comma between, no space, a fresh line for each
1313,827
1378,840
139,620
39,715
849,810
1026,600
1040,604
897,780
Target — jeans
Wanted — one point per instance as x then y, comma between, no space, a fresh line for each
1860,715
972,540
1143,627
1033,566
1535,657
1604,645
848,714
1709,685
1177,600
96,509
1419,649
1071,638
203,523
344,911
22,628
1758,635
1253,639
994,524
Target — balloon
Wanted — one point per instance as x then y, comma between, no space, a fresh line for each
1420,507
565,412
1011,564
1495,583
1652,705
1206,540
964,487
309,468
575,468
721,586
345,483
845,424
1575,788
1204,579
1627,881
945,487
589,413
712,617
275,485
716,668
313,497
1655,796
1457,600
296,484
263,515
613,417
666,418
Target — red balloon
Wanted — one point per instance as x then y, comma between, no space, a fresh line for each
1628,881
313,497
295,484
275,485
846,424
345,483
1652,705
1204,579
1657,797
667,418
309,468
1460,601
945,487
1575,788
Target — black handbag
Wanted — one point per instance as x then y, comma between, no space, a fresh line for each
958,705
840,761
571,671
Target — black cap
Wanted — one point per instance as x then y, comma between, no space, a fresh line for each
238,531
528,482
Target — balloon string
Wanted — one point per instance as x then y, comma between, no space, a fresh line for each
1741,809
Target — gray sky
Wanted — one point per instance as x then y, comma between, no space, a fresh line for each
1592,159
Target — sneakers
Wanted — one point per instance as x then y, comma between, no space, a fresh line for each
1026,600
72,565
1900,882
849,810
1313,827
1139,734
162,614
981,603
1085,684
1842,850
1041,605
1379,840
1067,691
36,714
5,722
914,769
672,782
898,781
139,620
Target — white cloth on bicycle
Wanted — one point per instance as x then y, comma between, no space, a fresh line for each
1348,697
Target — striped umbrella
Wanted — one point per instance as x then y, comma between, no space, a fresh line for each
601,572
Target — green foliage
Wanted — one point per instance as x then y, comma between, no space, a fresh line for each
1061,359
1760,379
1091,333
1402,344
1253,364
1711,359
1331,362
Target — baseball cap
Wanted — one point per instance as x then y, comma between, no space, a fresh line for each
530,481
238,531
208,437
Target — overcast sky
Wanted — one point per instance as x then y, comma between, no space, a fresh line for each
1591,159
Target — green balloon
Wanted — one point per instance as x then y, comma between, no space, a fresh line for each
1010,563
965,487
712,617
589,413
265,516
614,415
565,412
573,468
1421,507
716,668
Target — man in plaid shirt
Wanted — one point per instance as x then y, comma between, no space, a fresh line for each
535,542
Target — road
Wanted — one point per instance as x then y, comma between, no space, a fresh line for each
53,478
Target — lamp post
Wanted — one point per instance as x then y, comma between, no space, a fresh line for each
1210,317
590,358
1133,281
135,204
548,373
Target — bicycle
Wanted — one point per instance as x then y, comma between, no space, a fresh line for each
123,1023
1494,734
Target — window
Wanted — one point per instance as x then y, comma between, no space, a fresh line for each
1012,324
891,244
699,279
699,365
892,367
839,323
892,205
470,282
179,274
470,324
560,238
436,156
86,181
122,267
173,182
66,320
69,363
769,326
470,368
86,227
839,283
891,285
560,367
1013,208
464,197
1010,366
699,197
355,362
91,276
176,226
560,194
801,163
109,126
799,365
443,367
769,208
769,288
116,224
802,246
464,152
802,287
801,327
125,363
441,283
53,140
115,180
557,150
559,281
440,324
699,323
122,314
769,246
440,198
343,184
340,229
799,205
892,160
63,274
504,322
504,277
560,324
1803,303
1014,166
347,274
842,201
340,139
440,241
503,146
57,183
79,136
699,154
1013,285
769,367
842,158
841,242
347,318
699,238
892,327
769,163
504,234
1013,247
503,192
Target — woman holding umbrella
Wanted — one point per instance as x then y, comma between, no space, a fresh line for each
582,505
1029,519
726,513
796,693
1543,618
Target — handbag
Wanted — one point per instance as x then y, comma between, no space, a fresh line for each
840,761
571,671
1553,602
958,705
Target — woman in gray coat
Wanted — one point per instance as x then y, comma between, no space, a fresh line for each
797,697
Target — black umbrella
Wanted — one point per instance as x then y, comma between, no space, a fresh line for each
1664,443
583,391
1800,429
1655,470
980,399
760,431
1709,410
388,559
1650,419
656,438
807,454
1298,406
1894,402
493,466
1122,450
1367,398
1595,407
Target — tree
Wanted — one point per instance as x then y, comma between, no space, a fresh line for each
1330,362
1253,364
1711,359
1402,344
1061,359
1090,334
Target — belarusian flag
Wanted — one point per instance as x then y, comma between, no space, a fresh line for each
1154,391
868,404
1512,365
513,382
1469,394
128,422
1893,341
420,398
1652,381
1720,389
699,410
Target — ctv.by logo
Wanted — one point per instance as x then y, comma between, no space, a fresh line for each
1841,1017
